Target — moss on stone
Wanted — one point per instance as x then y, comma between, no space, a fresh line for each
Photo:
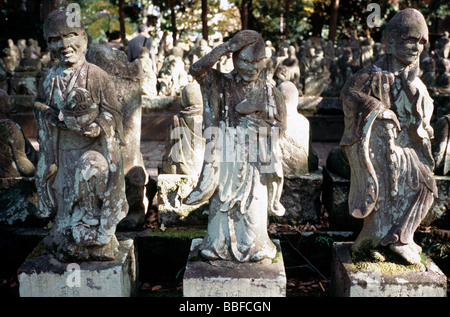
382,260
179,233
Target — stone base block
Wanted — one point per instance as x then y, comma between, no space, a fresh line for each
230,279
172,189
346,281
301,199
45,276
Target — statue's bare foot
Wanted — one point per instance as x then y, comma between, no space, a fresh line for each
408,252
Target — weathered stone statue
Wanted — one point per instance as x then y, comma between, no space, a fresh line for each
128,79
441,145
298,157
18,157
289,69
149,80
185,144
79,175
314,70
387,141
242,175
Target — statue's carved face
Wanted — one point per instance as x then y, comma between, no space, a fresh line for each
69,48
407,48
248,64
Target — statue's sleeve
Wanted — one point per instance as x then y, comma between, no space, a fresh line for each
357,105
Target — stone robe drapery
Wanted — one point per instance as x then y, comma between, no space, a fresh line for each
392,184
242,184
77,175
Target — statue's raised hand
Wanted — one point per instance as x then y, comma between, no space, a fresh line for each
241,40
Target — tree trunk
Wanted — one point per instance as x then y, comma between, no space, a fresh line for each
205,31
287,5
244,14
333,19
122,19
47,7
173,22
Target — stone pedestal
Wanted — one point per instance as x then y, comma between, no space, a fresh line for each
347,281
42,275
230,279
172,189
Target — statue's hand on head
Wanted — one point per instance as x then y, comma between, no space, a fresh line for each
241,40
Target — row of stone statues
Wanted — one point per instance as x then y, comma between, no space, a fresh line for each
251,138
316,67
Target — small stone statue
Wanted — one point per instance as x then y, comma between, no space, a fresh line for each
242,177
18,156
387,141
298,156
79,175
185,144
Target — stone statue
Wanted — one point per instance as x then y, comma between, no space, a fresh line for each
79,175
128,79
441,145
315,73
185,144
298,156
242,176
387,141
149,80
18,156
289,69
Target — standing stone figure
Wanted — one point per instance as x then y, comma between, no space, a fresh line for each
387,141
242,175
79,175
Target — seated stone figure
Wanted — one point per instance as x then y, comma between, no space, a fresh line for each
298,156
387,141
185,144
17,156
79,175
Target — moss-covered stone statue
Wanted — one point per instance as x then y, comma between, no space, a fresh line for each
387,141
79,175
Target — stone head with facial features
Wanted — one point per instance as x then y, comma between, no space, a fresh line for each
65,41
405,36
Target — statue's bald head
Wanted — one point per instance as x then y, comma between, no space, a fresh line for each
408,22
58,22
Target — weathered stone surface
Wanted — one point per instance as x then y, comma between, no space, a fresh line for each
301,199
349,282
242,177
387,140
230,279
80,170
172,189
42,275
335,200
